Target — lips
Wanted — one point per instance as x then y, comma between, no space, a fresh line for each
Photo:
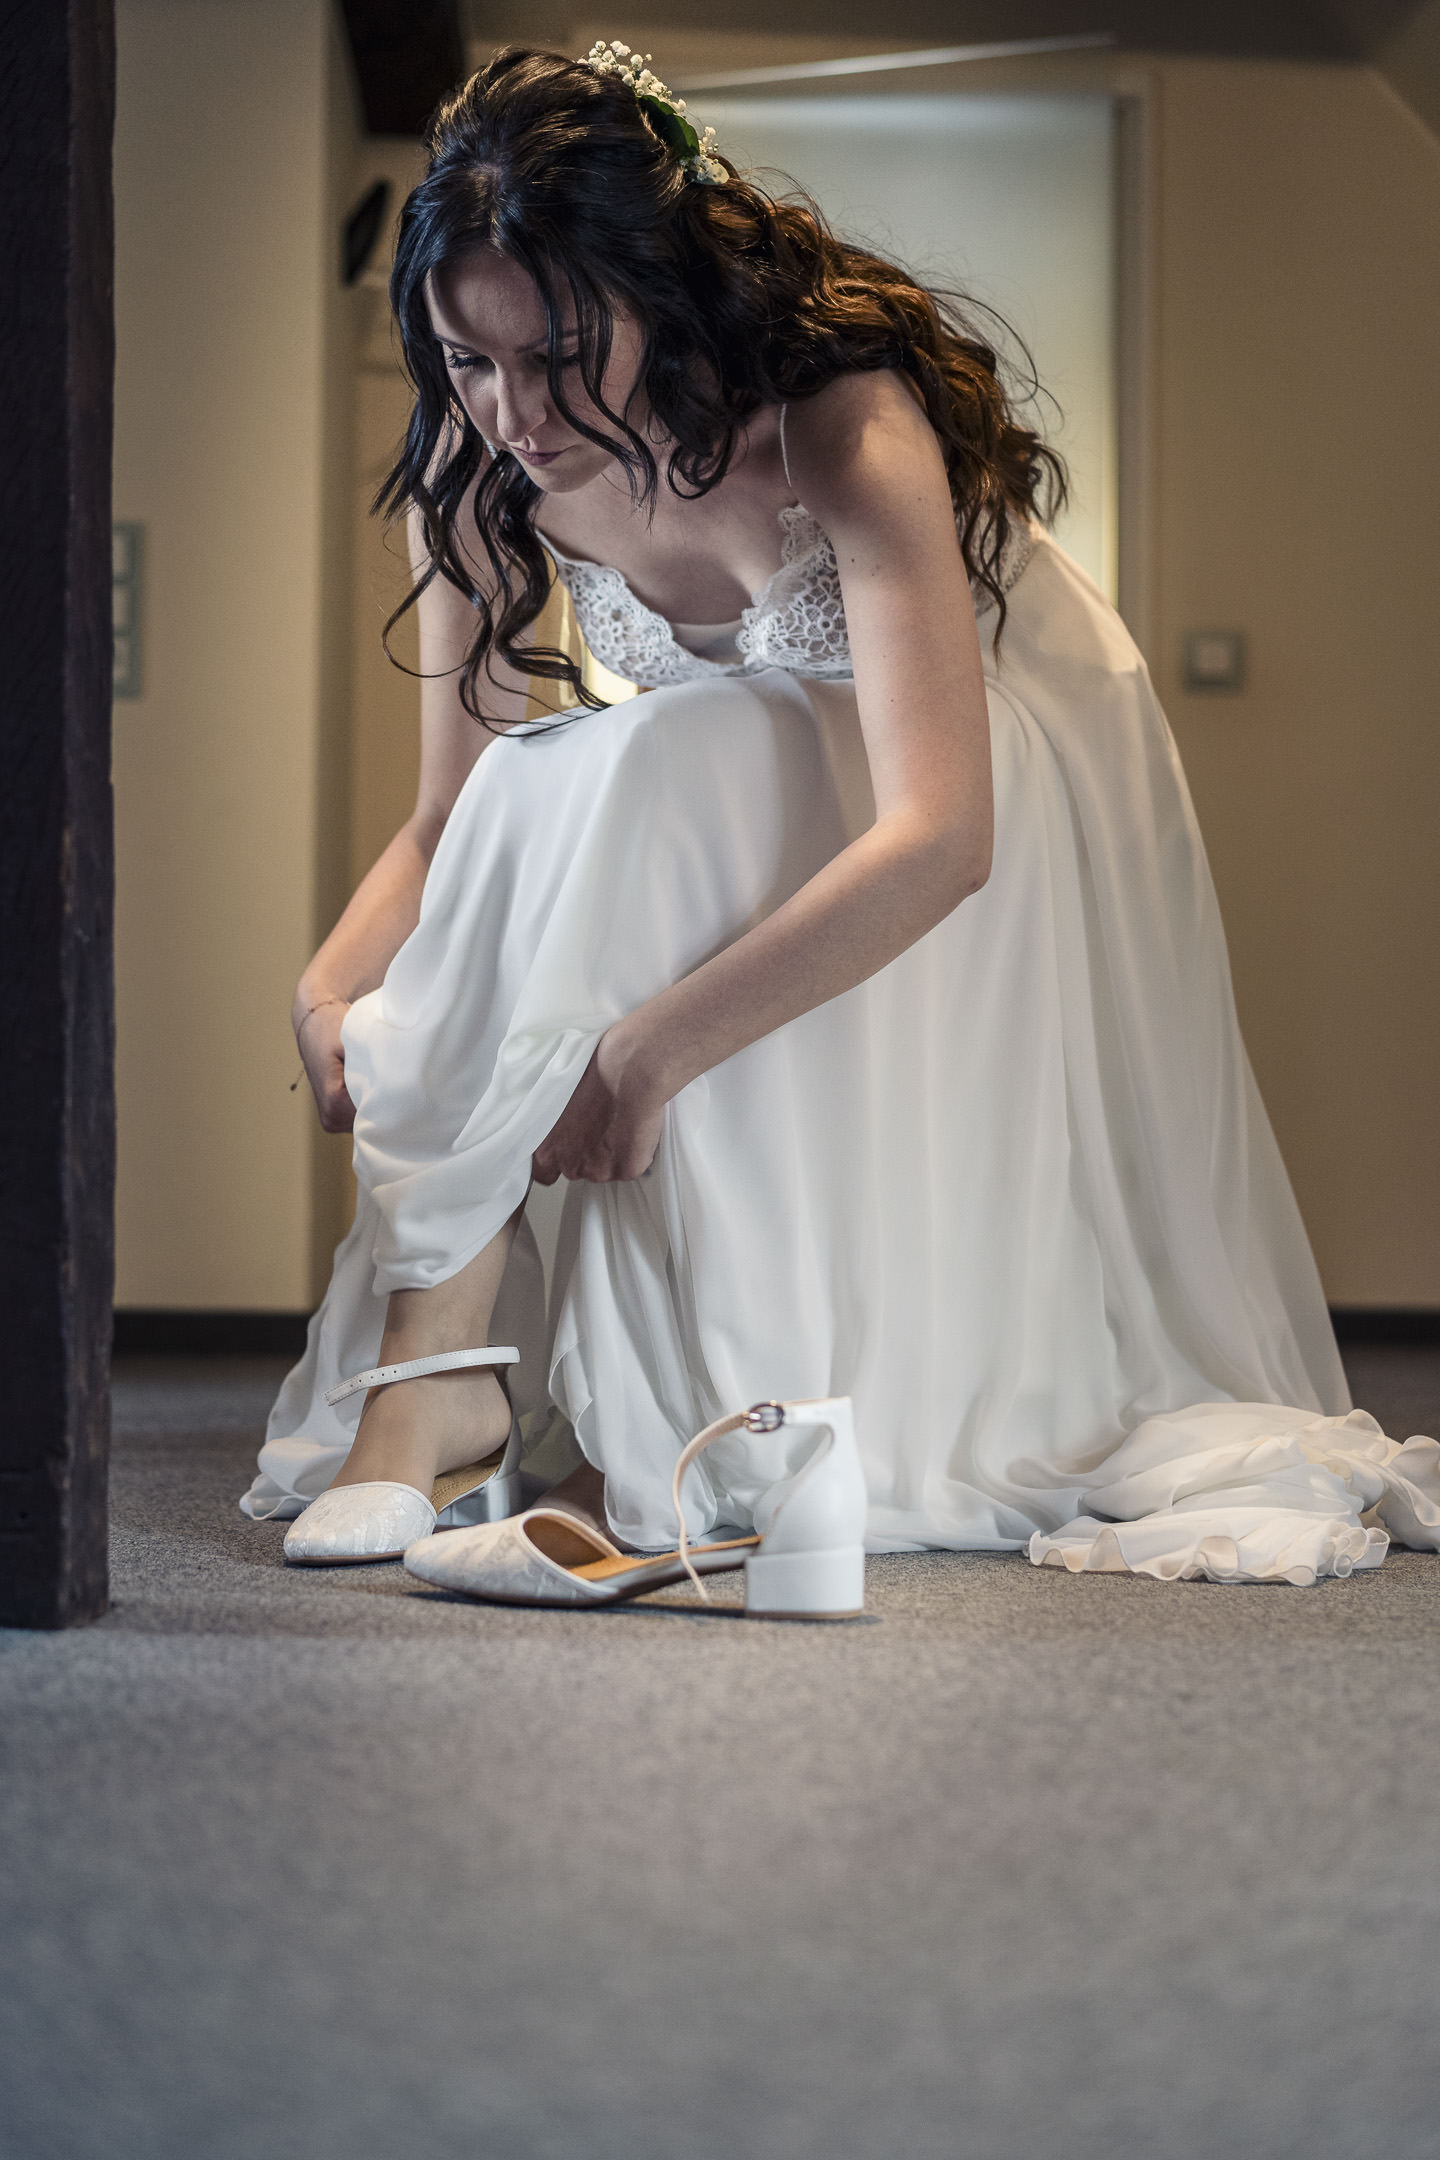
534,457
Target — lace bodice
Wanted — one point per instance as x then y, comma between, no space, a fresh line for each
796,622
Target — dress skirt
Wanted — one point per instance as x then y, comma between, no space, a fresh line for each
1017,1194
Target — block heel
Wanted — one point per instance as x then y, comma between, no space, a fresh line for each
501,1495
806,1585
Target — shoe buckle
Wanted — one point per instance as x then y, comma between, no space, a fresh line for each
765,1417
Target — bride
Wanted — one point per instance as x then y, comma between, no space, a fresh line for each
865,978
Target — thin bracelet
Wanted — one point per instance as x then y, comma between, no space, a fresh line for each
316,1007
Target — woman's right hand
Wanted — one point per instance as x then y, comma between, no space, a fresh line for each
323,1056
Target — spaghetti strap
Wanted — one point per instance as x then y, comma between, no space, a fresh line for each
783,458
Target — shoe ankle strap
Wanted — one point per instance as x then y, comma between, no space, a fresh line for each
417,1368
760,1417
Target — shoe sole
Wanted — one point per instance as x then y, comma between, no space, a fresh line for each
660,1574
359,1559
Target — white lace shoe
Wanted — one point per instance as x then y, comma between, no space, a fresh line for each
374,1521
806,1562
377,1520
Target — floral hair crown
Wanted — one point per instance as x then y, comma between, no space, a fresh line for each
665,113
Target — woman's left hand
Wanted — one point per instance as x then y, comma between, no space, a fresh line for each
611,1126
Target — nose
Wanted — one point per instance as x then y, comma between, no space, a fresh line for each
520,407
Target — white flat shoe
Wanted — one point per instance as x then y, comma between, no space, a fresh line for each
377,1520
374,1521
807,1560
549,1557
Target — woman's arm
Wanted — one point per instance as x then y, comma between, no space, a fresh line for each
385,906
867,465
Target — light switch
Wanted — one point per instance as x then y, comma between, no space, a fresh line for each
1214,660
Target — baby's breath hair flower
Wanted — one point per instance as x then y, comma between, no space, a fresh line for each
697,154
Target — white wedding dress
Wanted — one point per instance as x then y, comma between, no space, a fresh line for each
1017,1194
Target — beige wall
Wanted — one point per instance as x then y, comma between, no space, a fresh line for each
1297,443
386,710
226,319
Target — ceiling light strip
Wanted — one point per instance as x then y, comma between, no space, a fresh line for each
877,63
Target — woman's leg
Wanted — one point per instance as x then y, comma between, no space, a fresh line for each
412,1431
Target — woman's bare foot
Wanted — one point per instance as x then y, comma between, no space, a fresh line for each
413,1430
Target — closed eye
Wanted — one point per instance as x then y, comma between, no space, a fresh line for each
463,363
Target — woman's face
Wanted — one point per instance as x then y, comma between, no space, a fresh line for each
490,321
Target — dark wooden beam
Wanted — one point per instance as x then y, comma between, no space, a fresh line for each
408,54
57,1145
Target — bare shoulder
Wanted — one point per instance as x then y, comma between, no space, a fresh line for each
861,444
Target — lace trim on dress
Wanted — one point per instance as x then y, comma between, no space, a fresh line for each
796,622
624,635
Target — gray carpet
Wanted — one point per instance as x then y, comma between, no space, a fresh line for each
328,1866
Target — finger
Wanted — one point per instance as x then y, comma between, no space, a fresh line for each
542,1169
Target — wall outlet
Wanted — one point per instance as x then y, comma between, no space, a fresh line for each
127,575
1214,660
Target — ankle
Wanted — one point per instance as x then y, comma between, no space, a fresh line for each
415,1430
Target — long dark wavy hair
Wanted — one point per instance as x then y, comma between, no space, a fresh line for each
741,300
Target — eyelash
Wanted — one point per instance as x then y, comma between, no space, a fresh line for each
462,363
